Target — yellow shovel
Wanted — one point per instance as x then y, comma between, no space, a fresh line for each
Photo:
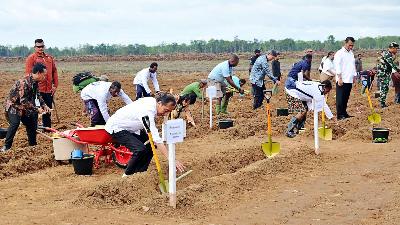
270,148
323,132
146,123
373,118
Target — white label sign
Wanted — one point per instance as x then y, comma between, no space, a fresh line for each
174,131
211,92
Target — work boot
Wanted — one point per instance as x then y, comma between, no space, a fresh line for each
218,109
383,105
224,107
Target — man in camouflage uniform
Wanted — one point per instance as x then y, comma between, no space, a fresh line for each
386,67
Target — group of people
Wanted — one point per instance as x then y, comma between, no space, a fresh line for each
34,95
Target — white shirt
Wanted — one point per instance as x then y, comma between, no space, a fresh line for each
99,91
312,92
322,61
129,118
328,65
142,78
345,65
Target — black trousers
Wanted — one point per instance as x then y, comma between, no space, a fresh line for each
258,93
342,98
142,154
30,123
48,99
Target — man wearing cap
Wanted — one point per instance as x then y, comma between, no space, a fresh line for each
196,88
257,76
345,69
253,59
48,86
219,74
386,67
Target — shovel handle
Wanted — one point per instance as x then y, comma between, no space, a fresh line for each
146,123
369,100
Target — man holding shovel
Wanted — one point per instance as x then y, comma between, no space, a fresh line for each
127,129
306,92
23,105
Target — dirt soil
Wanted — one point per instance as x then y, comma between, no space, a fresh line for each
352,181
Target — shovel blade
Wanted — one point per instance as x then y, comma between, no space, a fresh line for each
271,150
325,135
374,118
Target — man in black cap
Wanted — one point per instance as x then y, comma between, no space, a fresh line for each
257,75
386,67
253,59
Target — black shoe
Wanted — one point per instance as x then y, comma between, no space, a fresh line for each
342,117
383,106
348,116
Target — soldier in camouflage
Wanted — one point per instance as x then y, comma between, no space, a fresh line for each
386,66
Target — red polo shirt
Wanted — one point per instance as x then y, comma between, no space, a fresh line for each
51,76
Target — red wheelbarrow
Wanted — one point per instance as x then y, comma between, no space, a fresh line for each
98,137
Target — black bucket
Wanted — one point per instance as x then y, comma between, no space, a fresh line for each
380,135
3,132
226,123
282,112
83,166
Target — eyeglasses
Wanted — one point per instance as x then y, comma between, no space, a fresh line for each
39,46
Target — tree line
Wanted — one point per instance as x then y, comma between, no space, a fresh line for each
201,46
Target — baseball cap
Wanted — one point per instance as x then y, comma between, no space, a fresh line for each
393,45
257,51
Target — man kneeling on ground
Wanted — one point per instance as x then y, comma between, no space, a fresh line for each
127,129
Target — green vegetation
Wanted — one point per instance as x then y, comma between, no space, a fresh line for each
201,46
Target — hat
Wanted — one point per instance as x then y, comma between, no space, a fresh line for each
273,53
257,51
393,45
103,78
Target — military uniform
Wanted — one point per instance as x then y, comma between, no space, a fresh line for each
386,66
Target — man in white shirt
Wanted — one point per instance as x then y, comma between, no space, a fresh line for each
307,91
345,72
142,78
95,97
327,69
127,129
218,75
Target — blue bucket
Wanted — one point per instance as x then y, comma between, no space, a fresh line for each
77,154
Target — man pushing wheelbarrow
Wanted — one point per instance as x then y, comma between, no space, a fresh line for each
126,128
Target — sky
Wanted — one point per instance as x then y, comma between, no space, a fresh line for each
70,23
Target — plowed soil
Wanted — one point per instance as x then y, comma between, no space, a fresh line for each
352,181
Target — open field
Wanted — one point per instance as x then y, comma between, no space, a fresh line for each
352,181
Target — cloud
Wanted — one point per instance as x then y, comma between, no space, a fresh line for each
73,22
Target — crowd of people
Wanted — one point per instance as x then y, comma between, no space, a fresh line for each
33,94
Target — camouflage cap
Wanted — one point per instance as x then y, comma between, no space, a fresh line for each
393,45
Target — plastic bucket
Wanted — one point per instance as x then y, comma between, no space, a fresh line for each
3,132
282,112
380,135
83,166
223,124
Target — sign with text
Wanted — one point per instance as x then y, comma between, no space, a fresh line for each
174,131
211,92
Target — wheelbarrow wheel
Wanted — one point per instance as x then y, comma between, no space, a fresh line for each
122,158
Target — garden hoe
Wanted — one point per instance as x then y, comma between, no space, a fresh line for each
374,117
324,132
146,123
270,148
177,179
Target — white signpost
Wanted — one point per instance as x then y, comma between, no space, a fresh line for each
316,138
211,93
174,132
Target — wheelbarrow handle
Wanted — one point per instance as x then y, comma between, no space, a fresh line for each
76,124
146,123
